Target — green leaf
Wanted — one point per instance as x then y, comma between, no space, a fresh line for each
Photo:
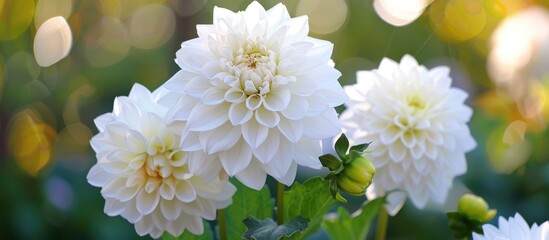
310,200
340,198
334,190
330,176
360,147
207,235
352,155
247,202
330,161
268,230
355,226
341,146
462,226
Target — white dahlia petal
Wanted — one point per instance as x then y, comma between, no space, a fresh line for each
125,194
394,201
180,80
254,84
130,112
147,202
253,176
322,126
241,151
337,94
297,108
307,151
97,177
387,67
195,226
277,100
267,118
113,207
289,177
278,169
104,120
206,117
131,213
214,96
195,86
184,191
221,139
254,133
418,126
239,113
266,151
144,174
317,104
513,228
292,130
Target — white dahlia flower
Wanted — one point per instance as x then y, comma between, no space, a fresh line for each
418,128
146,178
514,228
258,92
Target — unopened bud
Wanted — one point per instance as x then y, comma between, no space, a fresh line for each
356,176
475,208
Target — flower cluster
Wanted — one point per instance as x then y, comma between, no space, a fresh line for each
255,97
418,128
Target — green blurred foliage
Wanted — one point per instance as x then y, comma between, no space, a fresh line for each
58,203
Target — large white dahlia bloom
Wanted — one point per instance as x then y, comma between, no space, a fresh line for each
258,92
144,175
417,124
514,228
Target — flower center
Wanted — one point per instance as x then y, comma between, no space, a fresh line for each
162,159
157,166
416,103
412,115
255,67
252,60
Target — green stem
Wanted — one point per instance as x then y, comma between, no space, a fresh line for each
280,204
222,225
382,224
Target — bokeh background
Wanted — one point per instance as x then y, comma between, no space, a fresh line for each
498,51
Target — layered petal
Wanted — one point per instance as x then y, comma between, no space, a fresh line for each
255,85
149,175
513,228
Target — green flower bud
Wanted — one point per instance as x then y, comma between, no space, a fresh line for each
356,176
475,208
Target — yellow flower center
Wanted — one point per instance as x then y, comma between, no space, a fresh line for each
157,166
252,60
254,66
416,103
161,159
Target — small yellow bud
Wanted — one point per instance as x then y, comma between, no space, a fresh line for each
475,208
356,176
